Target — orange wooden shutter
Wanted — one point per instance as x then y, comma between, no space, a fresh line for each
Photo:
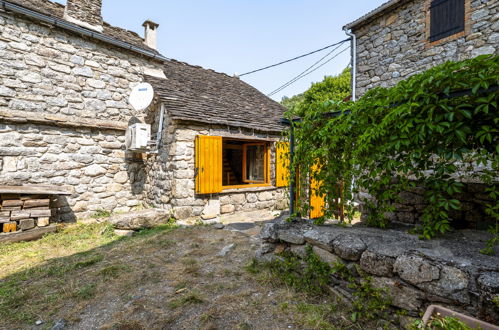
208,156
317,203
282,164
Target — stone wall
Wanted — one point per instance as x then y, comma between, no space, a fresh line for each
59,95
474,201
395,45
46,70
173,169
90,162
447,271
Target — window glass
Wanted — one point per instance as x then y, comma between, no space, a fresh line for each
255,163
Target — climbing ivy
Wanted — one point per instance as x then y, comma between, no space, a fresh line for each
433,130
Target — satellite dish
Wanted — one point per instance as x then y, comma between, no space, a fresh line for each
141,96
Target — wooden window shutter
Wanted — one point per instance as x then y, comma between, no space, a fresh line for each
447,18
282,164
317,202
208,156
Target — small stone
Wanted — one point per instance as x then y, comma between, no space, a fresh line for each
59,325
326,256
95,170
349,247
219,225
123,233
39,322
415,269
121,177
226,250
229,208
292,236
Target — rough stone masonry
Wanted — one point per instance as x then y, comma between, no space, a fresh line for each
63,115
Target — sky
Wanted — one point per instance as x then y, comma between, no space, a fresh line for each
237,36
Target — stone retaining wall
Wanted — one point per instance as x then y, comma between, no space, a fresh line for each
395,45
415,273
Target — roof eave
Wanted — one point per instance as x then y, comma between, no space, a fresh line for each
5,5
381,10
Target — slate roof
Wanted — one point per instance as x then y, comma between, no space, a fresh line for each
196,94
381,10
56,10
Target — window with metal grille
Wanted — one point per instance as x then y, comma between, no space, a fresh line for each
447,18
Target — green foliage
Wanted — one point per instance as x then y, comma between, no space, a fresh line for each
311,276
335,88
440,323
414,134
291,102
99,214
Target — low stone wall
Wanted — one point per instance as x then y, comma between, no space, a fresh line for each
472,215
448,271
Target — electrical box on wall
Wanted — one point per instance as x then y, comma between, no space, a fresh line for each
138,137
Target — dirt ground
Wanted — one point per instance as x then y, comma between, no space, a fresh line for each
85,277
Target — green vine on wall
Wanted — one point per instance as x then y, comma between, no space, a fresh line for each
435,130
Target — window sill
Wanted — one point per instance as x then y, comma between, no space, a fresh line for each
254,188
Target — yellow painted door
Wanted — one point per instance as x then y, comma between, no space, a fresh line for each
282,164
317,203
208,157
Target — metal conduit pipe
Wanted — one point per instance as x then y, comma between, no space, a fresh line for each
7,6
354,62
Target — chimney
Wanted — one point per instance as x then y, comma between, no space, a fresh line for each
150,34
86,13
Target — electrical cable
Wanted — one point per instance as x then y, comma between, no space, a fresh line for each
312,66
295,58
305,73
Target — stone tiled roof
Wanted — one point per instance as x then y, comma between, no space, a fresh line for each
381,10
56,10
196,94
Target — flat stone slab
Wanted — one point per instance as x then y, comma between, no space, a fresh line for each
149,218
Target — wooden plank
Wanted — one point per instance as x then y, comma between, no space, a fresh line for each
11,208
10,196
40,213
18,215
35,190
26,224
9,227
4,213
37,208
29,235
4,219
36,203
12,202
29,197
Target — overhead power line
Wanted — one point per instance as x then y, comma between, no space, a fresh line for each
295,58
307,72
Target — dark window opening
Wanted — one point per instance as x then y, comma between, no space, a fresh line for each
447,18
244,163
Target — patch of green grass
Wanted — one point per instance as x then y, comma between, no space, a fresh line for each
316,316
88,291
114,270
189,299
88,262
99,214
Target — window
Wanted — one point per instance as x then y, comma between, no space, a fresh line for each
447,17
223,163
245,163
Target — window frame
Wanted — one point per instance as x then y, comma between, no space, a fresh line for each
266,182
457,35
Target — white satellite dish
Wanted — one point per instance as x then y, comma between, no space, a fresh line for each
141,96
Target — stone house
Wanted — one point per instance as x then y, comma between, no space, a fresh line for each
219,152
405,37
65,79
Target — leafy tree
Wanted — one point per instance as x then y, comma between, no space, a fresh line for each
336,88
